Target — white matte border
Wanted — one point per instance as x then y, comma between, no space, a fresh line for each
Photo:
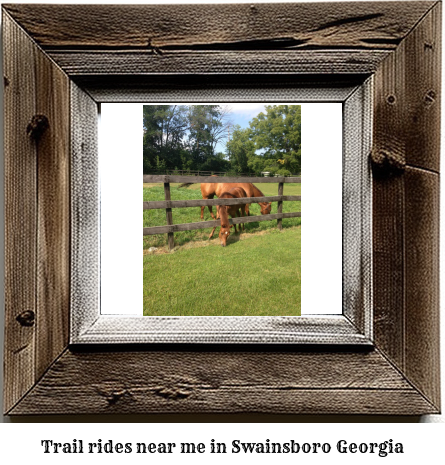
120,161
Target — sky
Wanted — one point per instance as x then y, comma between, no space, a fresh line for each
242,114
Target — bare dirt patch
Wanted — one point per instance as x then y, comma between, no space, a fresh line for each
207,243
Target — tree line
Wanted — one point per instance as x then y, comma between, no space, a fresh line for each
190,137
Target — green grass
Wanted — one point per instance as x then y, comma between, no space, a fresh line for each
254,275
192,215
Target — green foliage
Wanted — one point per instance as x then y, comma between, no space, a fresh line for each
165,127
277,136
183,136
186,136
240,149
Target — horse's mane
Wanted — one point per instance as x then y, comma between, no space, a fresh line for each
258,193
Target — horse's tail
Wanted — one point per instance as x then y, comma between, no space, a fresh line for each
187,184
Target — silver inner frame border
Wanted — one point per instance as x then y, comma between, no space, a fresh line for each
353,327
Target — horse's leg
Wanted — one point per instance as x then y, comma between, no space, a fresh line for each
211,234
210,207
203,207
243,211
239,225
234,225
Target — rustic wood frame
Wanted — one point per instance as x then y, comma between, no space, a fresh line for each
80,55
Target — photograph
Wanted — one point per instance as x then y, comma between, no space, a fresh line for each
248,267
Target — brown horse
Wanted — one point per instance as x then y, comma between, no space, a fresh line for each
232,210
209,190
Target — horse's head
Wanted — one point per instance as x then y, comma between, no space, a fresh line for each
224,234
266,208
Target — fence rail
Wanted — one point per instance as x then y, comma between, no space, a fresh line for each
198,173
212,223
161,204
168,204
154,178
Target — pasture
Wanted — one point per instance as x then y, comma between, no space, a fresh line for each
257,274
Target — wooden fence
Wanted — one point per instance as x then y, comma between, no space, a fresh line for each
168,204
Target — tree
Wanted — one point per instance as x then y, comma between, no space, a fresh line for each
165,127
185,137
277,138
241,149
220,125
200,145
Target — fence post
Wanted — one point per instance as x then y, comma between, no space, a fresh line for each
168,211
280,205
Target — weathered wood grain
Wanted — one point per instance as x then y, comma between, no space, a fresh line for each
53,207
220,88
406,136
389,142
399,40
219,381
158,204
422,364
157,27
408,105
388,268
423,92
357,208
85,210
20,212
205,62
230,330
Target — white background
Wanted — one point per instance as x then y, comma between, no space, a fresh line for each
120,155
20,442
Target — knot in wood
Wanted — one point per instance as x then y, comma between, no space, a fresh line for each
26,318
387,163
37,126
115,396
173,393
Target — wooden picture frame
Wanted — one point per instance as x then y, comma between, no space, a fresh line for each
59,68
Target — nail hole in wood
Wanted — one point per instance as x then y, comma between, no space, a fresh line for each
430,97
